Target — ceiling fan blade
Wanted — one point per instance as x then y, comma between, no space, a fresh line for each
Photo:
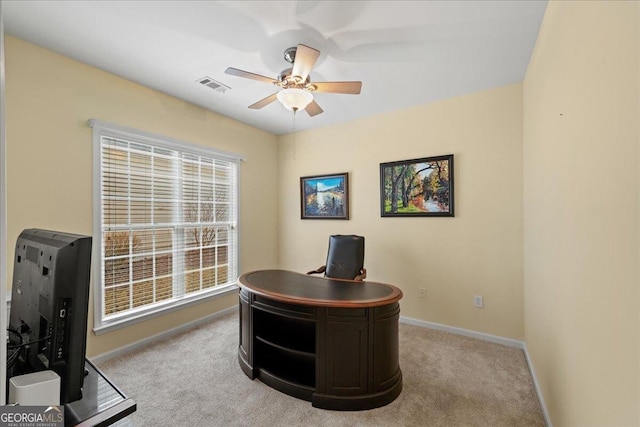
306,58
313,109
248,75
264,102
339,87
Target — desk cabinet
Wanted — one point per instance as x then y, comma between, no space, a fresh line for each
341,358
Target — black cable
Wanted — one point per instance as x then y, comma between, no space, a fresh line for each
15,332
11,347
12,357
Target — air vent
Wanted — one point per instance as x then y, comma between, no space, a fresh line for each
213,84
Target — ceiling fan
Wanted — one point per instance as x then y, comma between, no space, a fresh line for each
296,87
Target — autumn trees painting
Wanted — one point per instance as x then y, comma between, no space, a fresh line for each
418,187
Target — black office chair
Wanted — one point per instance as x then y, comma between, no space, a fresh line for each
345,259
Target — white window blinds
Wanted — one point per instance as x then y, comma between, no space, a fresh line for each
168,215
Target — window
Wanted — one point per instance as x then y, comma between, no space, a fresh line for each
165,224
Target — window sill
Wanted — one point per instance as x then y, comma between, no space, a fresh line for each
151,313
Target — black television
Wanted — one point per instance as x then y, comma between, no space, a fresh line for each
49,305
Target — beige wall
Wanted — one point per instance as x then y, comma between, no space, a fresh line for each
478,252
49,155
565,252
581,187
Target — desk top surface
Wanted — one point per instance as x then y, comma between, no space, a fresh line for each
297,288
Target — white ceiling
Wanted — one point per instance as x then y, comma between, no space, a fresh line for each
406,53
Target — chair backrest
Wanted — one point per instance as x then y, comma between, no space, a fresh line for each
345,258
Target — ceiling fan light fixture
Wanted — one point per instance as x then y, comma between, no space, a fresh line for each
295,99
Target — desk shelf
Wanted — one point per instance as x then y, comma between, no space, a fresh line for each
290,365
285,350
286,332
296,354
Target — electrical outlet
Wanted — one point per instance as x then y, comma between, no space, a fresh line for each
423,292
478,301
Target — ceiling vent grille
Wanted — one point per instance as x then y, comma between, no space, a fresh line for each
213,84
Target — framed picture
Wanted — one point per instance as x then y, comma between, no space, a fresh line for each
418,187
324,196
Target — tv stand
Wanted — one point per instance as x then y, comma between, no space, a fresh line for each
331,342
102,403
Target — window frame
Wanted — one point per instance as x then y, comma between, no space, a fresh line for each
135,315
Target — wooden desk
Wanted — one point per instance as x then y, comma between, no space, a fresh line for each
331,342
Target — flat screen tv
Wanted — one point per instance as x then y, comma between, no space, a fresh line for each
49,304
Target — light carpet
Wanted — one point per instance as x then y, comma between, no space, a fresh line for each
193,379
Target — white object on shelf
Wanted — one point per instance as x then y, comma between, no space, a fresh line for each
38,388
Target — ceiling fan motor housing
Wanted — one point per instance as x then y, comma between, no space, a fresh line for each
290,54
287,80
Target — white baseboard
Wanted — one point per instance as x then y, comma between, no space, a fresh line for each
543,405
490,338
465,332
165,334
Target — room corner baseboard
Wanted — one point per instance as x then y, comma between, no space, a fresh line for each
490,338
536,385
101,358
465,332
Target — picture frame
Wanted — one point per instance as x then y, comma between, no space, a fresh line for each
324,196
409,188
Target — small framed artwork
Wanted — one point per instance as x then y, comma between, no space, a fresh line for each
417,187
324,196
